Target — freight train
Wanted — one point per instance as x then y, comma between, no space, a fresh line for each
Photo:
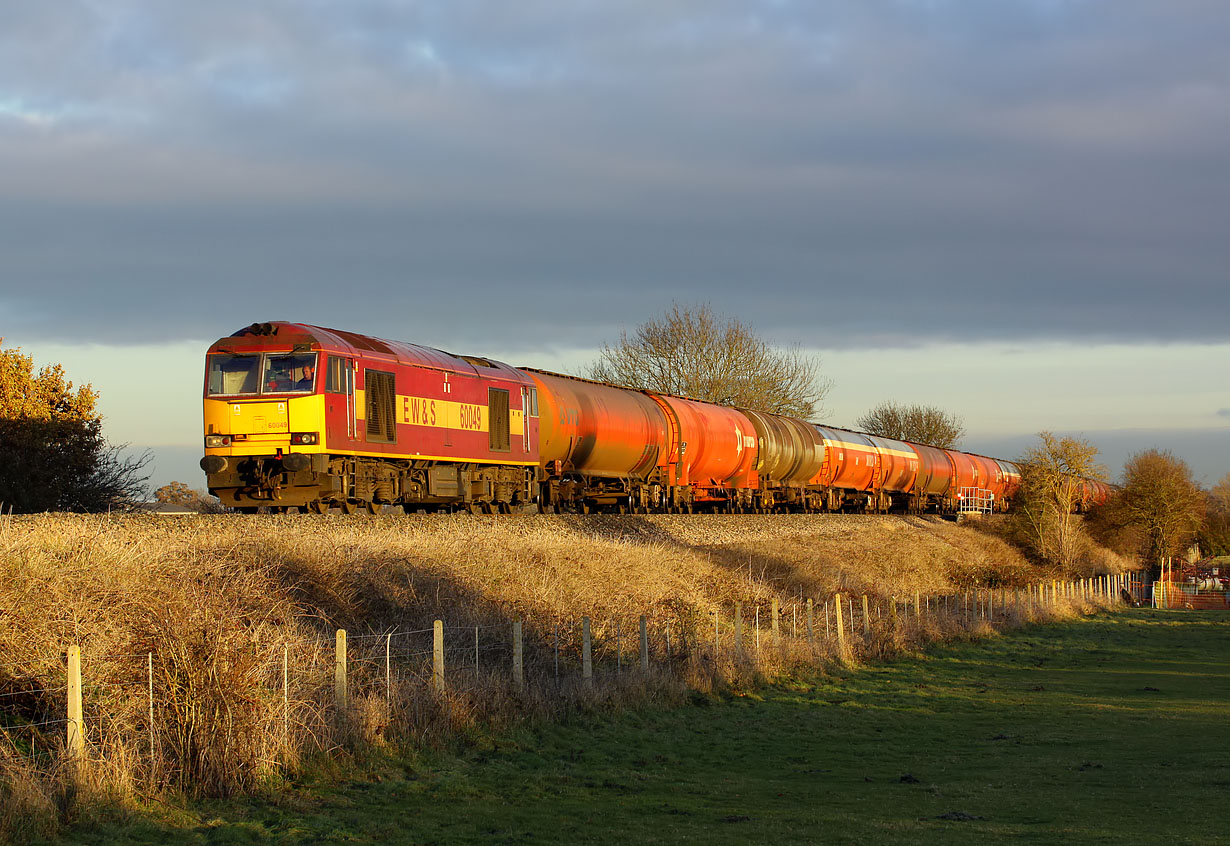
303,417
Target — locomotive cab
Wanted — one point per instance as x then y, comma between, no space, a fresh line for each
264,432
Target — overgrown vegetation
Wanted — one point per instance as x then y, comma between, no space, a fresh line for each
223,602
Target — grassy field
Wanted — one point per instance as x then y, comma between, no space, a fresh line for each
1110,729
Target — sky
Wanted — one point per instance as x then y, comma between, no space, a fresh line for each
1013,210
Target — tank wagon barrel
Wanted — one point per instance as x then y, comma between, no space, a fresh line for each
300,416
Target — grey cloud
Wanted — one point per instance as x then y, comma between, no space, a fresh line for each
839,173
1223,412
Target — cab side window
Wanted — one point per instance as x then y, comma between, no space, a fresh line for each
339,376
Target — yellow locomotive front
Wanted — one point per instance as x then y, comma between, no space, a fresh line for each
265,422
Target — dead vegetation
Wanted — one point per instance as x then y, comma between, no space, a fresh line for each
240,614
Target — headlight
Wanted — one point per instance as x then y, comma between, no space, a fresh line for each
217,441
304,438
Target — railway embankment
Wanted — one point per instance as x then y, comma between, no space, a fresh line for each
211,661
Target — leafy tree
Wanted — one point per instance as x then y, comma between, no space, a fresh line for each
1052,491
1214,537
692,352
1161,498
53,456
922,424
180,493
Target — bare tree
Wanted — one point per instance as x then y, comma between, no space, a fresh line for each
1052,491
922,424
692,352
1161,498
1215,536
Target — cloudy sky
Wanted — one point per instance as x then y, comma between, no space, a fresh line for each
1014,209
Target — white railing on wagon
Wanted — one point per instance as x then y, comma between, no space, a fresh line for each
975,501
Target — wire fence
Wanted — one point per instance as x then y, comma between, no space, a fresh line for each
145,704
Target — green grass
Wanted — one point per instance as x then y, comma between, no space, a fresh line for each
1106,730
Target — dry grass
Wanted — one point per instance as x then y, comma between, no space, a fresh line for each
220,601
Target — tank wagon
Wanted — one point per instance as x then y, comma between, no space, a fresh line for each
304,417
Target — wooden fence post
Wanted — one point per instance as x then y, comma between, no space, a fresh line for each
739,629
866,618
587,659
619,649
644,645
152,761
756,630
811,622
437,655
777,635
285,693
76,714
388,666
339,672
841,630
917,606
518,665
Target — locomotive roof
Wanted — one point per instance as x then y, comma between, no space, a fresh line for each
369,347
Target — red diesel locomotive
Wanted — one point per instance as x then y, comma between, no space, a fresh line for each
300,416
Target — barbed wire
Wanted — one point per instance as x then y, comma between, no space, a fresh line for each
37,725
32,692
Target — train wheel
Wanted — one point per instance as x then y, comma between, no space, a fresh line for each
371,507
347,506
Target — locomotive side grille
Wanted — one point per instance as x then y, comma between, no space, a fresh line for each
381,404
498,420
